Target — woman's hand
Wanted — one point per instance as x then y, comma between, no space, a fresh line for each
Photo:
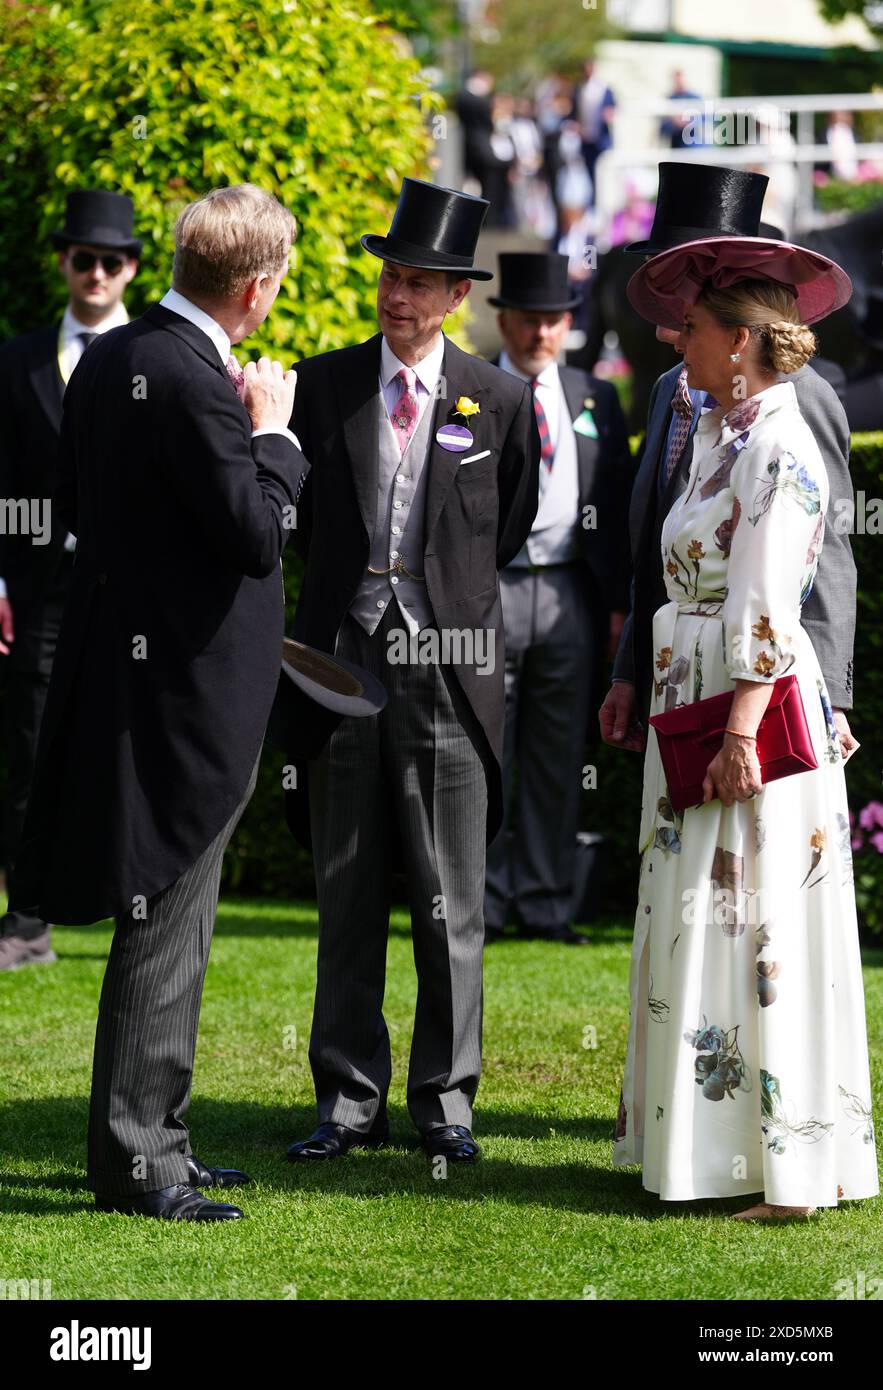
733,773
848,741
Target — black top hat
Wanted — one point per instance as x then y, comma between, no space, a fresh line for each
98,218
433,228
330,681
702,200
534,280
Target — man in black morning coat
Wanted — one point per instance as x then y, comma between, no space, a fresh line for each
98,257
423,485
168,660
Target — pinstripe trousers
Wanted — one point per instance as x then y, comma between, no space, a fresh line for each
146,1036
413,768
551,651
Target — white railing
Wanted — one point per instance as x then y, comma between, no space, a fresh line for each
751,115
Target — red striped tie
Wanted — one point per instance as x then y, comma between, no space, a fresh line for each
683,407
547,449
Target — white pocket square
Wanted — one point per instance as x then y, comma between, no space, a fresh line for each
472,457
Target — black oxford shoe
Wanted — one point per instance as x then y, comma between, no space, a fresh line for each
333,1141
453,1142
178,1203
198,1175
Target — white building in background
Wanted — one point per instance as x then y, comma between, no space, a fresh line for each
786,22
698,38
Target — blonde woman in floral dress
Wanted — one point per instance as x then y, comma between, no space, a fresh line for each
747,1063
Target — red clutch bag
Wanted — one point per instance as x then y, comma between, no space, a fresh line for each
691,735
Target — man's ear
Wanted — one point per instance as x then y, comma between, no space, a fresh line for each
461,289
253,291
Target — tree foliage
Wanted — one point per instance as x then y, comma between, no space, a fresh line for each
317,101
523,42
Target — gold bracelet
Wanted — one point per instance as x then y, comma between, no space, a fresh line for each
739,734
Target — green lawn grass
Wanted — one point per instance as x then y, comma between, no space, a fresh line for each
544,1216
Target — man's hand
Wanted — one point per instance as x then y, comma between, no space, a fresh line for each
619,723
7,632
268,394
848,742
733,773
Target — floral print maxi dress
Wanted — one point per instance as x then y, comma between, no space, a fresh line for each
747,1061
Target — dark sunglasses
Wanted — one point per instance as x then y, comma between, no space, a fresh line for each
85,260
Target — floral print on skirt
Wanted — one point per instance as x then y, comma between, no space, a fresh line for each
747,1061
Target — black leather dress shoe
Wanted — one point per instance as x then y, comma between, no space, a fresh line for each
565,936
198,1175
453,1142
333,1141
178,1203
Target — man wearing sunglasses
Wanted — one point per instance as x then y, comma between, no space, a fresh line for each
98,257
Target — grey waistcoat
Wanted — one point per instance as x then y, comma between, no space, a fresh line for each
401,503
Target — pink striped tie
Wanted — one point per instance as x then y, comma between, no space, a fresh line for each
405,410
236,375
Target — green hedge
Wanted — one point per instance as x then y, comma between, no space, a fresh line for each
315,100
318,101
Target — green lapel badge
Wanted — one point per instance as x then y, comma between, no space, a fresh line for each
585,423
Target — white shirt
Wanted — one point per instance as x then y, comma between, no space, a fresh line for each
182,306
554,536
428,373
72,348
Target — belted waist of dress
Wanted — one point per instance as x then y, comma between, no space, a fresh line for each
702,607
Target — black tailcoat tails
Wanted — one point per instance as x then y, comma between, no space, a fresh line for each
170,648
478,516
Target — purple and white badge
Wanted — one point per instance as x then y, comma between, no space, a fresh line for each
454,437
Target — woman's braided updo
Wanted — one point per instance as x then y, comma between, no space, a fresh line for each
769,312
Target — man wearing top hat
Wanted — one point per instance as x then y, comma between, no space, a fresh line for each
565,597
98,257
700,201
423,485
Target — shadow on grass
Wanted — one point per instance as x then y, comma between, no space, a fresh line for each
292,920
255,1137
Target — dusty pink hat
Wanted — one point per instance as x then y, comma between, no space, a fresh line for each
663,286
